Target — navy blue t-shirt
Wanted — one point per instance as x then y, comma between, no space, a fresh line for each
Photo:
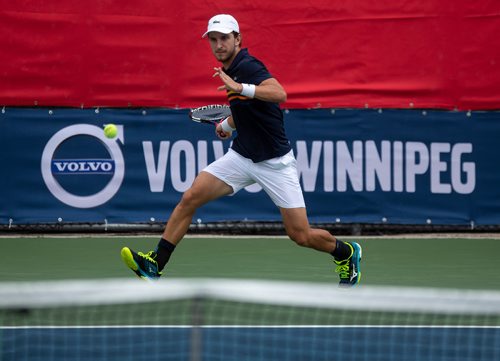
259,124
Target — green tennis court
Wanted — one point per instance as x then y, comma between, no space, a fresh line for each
204,326
421,262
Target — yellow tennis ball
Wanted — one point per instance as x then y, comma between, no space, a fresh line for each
110,131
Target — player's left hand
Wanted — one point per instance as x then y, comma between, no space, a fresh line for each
229,84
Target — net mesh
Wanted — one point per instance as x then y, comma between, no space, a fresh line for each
244,320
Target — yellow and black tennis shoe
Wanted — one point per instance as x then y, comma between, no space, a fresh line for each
144,265
349,269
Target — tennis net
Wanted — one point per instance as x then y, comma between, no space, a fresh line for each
222,319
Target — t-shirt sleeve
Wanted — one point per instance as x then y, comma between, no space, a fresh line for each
255,72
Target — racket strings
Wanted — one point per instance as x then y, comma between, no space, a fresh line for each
211,112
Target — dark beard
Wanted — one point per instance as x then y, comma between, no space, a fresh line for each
223,57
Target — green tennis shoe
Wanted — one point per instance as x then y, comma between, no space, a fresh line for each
143,265
349,269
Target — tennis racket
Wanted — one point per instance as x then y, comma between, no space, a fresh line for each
210,114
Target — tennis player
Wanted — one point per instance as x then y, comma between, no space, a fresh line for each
260,153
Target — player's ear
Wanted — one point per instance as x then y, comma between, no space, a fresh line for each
237,37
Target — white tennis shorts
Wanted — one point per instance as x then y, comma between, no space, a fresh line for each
278,176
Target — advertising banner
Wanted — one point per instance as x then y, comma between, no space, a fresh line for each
368,166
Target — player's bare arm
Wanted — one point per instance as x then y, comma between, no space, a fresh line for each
270,90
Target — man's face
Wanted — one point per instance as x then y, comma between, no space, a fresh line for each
223,46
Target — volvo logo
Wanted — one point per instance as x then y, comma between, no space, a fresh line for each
114,167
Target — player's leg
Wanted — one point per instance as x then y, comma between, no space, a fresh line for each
279,179
347,255
205,188
298,229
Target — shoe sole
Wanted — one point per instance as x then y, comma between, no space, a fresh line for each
128,258
358,261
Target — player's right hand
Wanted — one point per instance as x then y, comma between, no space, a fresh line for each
221,134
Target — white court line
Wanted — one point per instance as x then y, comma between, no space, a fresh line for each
495,236
37,327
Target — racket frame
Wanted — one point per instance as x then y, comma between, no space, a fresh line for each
211,120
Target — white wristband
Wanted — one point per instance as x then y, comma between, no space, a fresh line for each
226,127
248,90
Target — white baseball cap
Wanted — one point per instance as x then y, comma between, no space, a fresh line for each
222,23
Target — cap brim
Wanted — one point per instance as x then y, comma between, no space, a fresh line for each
218,30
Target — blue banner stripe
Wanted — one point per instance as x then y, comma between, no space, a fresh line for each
367,166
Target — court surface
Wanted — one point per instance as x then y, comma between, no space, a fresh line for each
439,262
239,343
443,262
